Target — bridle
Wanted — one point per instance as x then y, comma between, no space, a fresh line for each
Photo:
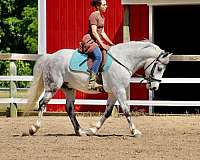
151,77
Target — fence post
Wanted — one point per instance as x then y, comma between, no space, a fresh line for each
13,89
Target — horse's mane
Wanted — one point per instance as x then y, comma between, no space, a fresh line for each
135,47
139,44
147,43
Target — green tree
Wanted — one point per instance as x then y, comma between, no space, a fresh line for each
18,33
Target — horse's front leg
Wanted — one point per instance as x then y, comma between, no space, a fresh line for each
122,98
42,105
70,99
109,107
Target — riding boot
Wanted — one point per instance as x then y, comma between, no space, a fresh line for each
93,85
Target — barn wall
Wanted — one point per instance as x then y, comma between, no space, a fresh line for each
67,21
139,30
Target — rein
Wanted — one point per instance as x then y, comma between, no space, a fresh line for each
120,63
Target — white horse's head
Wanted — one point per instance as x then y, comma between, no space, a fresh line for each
154,69
138,54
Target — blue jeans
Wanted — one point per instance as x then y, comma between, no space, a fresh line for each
97,60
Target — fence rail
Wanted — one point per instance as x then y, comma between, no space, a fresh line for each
103,102
133,80
33,57
18,56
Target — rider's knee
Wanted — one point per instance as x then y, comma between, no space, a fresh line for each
97,53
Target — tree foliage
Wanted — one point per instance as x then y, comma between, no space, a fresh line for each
18,33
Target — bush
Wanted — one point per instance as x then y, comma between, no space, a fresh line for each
18,34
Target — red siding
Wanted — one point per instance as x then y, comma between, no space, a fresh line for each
139,22
139,30
67,21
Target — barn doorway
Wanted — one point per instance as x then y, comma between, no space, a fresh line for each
177,30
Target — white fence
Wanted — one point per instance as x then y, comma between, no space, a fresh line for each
148,103
103,102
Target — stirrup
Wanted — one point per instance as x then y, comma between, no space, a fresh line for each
93,85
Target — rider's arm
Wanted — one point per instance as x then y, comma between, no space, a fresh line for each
104,35
96,35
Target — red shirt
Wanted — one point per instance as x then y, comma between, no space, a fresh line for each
89,43
97,19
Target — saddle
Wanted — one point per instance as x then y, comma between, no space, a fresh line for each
81,62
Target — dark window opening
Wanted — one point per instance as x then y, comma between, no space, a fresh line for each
176,29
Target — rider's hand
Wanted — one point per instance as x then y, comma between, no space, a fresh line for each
104,46
112,44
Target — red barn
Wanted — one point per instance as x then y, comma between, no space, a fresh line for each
67,21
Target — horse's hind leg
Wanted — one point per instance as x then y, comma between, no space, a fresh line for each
109,107
53,80
70,99
42,105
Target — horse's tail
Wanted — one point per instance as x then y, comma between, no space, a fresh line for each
37,85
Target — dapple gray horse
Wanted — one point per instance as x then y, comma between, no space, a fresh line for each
51,72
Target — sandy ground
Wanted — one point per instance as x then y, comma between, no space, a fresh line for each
164,138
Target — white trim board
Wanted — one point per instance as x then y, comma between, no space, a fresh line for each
161,2
42,27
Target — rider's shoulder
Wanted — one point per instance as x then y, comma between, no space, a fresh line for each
95,14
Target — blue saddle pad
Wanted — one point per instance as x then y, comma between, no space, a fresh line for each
78,62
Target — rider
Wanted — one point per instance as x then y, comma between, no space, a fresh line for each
93,41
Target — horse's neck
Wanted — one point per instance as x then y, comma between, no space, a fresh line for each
132,56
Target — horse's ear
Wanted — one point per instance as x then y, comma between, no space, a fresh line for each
167,54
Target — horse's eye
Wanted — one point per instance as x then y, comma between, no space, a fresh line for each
159,69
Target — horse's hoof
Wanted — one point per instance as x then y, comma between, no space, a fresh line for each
81,132
91,131
25,134
33,129
136,133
